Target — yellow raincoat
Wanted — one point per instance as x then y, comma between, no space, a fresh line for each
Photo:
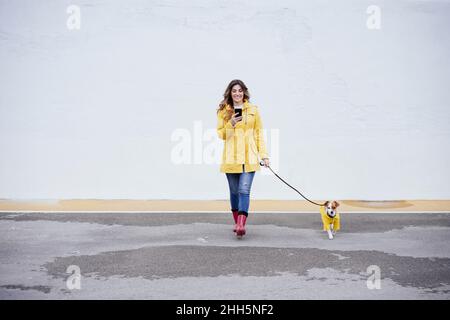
336,221
244,143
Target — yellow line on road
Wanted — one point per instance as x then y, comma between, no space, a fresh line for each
103,205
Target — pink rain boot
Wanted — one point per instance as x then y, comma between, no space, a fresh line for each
240,230
235,217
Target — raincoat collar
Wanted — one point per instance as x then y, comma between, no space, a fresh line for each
245,106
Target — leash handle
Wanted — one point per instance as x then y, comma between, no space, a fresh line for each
261,163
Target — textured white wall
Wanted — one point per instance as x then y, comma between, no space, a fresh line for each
353,113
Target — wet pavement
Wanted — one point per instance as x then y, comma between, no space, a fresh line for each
197,256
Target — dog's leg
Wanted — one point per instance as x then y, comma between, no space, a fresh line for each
332,230
330,235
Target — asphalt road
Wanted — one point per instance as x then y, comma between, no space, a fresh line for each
197,256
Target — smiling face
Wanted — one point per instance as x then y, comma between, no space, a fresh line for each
237,94
330,207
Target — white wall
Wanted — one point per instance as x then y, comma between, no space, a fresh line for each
90,113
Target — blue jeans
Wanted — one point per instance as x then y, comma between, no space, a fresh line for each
240,185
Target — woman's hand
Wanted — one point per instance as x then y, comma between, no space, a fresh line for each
266,162
235,119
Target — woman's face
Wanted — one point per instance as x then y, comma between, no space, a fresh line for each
237,94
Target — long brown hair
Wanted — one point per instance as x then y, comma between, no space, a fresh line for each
228,100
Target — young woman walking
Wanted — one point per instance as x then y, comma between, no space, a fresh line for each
239,125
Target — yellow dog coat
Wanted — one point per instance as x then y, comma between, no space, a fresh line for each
327,220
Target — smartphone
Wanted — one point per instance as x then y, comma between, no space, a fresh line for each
238,112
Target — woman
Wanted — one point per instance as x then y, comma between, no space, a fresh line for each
243,144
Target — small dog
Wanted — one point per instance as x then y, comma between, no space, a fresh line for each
330,218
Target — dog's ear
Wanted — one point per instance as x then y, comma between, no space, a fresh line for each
326,203
336,204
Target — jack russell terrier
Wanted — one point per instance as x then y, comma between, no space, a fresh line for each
330,218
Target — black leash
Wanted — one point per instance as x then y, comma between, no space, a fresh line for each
261,163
